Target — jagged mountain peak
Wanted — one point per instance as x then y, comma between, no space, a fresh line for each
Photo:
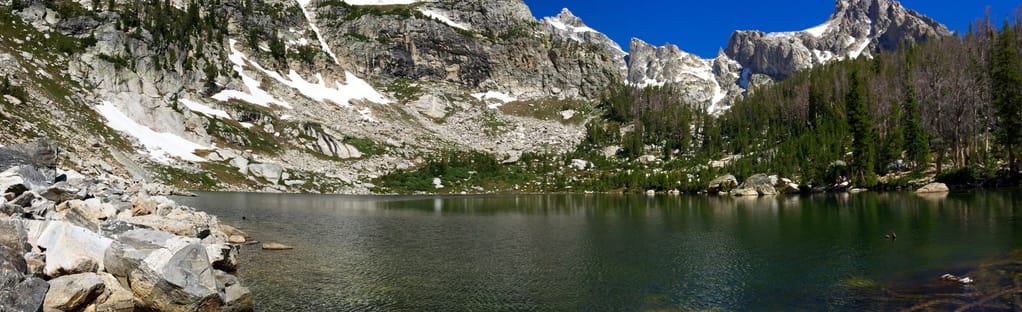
569,18
857,27
570,27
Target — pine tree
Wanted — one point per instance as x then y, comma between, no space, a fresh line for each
895,140
861,128
1006,77
917,143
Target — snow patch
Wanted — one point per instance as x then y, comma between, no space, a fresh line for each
562,26
823,56
341,94
247,125
256,95
818,31
204,109
858,50
443,18
567,114
501,97
161,146
650,82
319,35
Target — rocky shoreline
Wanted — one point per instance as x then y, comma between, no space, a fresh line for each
71,242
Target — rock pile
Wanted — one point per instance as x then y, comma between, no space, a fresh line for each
72,243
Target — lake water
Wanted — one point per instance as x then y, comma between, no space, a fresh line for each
607,252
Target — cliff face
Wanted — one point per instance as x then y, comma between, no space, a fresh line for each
478,45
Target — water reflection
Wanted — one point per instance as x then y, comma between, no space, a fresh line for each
605,252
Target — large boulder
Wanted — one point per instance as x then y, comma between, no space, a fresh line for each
62,191
133,246
723,183
759,184
744,192
72,249
73,292
115,297
92,210
11,182
165,272
19,291
933,188
237,298
41,153
176,279
28,295
223,256
184,221
269,171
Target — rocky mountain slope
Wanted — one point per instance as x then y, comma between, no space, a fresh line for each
326,95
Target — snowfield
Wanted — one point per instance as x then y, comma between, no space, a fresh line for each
255,95
501,97
443,18
160,145
204,109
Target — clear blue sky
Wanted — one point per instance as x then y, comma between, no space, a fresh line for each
702,27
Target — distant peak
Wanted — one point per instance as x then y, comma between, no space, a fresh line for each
565,13
569,18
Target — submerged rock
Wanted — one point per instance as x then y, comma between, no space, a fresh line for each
276,246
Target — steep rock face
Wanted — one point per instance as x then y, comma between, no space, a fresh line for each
706,83
568,26
480,45
856,27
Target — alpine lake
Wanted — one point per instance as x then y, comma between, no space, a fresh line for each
628,253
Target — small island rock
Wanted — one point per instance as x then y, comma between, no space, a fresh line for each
933,188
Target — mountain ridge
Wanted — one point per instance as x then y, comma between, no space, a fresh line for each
327,95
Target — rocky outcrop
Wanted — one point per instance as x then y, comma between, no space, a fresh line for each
757,185
106,254
722,184
489,45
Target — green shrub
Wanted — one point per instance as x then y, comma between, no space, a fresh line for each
960,176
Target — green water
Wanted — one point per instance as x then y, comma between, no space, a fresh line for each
605,252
